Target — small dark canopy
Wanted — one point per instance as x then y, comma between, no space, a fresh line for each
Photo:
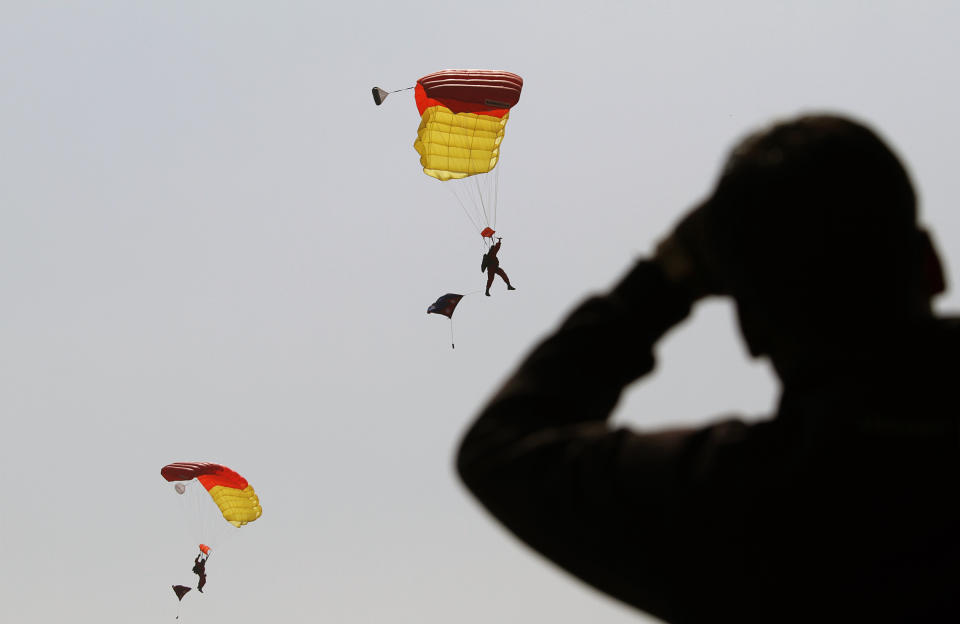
445,305
181,591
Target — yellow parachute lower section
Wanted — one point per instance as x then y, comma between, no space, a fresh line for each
456,145
238,506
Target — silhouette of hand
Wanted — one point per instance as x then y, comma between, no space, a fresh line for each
684,255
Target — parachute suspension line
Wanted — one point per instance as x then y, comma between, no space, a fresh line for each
190,511
452,344
204,521
201,512
483,207
379,95
466,212
495,196
478,201
206,513
476,193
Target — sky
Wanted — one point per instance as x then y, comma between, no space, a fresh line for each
215,247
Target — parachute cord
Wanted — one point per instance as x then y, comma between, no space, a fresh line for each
467,191
483,208
466,212
495,197
452,344
404,89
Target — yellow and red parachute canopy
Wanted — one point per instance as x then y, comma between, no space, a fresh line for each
230,492
463,115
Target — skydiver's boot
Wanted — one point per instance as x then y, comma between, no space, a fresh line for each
509,287
487,293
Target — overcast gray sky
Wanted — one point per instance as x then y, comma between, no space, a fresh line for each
213,246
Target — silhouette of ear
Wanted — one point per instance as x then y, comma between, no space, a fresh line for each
932,277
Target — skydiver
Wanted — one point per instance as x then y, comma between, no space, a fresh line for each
491,264
199,568
840,507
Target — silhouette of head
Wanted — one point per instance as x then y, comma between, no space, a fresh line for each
814,226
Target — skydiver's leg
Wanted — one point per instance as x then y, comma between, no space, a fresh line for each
490,274
203,581
503,275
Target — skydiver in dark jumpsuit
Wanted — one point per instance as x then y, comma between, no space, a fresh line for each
200,569
842,506
492,264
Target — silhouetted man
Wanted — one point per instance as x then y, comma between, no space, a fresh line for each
200,569
844,506
491,264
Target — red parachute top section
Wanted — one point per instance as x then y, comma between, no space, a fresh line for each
210,475
486,91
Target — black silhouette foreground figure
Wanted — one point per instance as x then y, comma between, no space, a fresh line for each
843,507
491,264
200,569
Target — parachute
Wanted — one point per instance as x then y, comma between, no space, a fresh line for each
445,305
215,501
229,491
463,115
180,591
